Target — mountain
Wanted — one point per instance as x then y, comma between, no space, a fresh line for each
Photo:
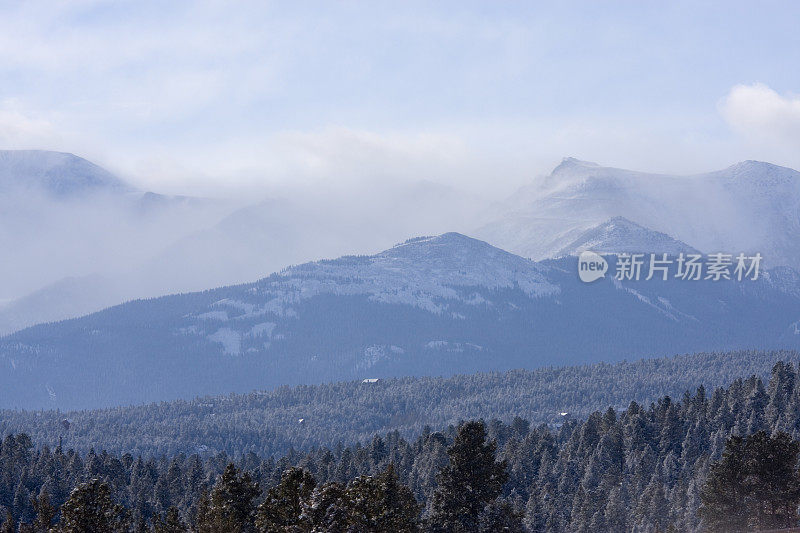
69,297
74,223
620,235
249,243
430,306
748,207
265,236
56,173
66,223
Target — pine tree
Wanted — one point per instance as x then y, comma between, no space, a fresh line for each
170,523
284,504
378,450
45,512
500,517
90,508
774,481
382,504
536,512
202,517
8,525
616,513
327,509
471,481
780,389
754,486
230,507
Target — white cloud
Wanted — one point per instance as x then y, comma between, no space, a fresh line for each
321,159
191,96
762,115
21,130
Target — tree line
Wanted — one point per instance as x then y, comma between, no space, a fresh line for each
708,461
266,423
464,500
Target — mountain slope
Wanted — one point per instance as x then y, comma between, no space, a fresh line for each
66,298
430,306
748,207
620,235
266,236
66,222
56,173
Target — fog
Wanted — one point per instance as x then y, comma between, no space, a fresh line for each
70,254
273,134
77,248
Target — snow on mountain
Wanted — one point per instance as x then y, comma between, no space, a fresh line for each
430,306
268,235
57,173
620,235
418,272
748,207
429,273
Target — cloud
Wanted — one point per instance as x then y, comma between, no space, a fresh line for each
189,97
21,130
761,115
321,160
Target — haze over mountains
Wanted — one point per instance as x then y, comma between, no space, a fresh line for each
80,239
264,237
748,207
430,306
55,173
63,218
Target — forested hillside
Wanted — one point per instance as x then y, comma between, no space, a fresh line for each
431,306
268,423
645,468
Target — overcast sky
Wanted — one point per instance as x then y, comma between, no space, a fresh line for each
199,96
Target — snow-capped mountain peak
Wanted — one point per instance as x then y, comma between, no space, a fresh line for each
418,272
620,235
759,175
572,164
440,275
449,251
749,207
56,173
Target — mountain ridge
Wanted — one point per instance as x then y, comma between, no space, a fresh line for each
61,174
620,235
747,207
432,306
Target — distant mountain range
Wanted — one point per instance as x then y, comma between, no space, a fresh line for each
55,173
749,207
74,236
430,306
66,223
78,240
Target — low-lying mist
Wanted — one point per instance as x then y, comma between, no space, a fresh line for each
74,254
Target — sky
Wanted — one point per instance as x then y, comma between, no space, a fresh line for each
236,97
